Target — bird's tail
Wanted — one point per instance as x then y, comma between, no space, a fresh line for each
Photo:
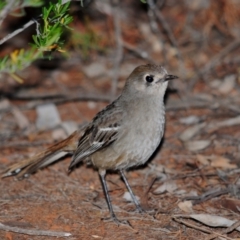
51,154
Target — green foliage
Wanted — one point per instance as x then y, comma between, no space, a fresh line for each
17,60
55,19
20,5
2,4
31,3
143,1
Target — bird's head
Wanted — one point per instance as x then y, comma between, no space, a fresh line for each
148,80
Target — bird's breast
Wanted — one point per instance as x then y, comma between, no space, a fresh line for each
139,136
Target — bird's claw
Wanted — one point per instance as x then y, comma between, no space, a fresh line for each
117,221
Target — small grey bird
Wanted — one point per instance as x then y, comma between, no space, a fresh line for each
123,135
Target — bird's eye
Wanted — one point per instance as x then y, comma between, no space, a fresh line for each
149,78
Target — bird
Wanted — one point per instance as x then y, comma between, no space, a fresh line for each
123,135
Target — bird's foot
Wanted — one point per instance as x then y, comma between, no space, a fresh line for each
146,210
117,221
140,210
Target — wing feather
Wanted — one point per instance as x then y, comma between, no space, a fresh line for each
101,132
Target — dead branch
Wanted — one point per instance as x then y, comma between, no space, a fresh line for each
227,230
34,231
202,229
5,11
119,48
213,62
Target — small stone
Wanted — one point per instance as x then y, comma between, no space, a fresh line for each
47,116
127,197
95,70
190,120
197,145
228,84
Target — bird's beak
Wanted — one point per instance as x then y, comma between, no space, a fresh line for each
170,77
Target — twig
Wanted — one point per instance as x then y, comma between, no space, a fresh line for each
6,10
154,26
212,127
59,98
19,30
188,175
202,229
167,29
214,193
220,55
23,144
165,230
231,228
227,230
34,104
119,47
28,95
142,54
208,195
106,9
197,102
34,231
213,62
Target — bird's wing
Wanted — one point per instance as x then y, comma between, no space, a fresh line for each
102,132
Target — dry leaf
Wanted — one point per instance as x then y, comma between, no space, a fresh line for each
21,119
204,160
197,145
190,132
213,220
232,204
166,187
190,120
227,84
186,206
226,123
222,162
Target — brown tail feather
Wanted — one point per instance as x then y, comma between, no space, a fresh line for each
44,158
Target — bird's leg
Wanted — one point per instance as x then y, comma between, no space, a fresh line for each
102,174
131,192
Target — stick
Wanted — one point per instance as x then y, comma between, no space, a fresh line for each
202,229
28,24
213,62
119,47
6,10
227,230
34,231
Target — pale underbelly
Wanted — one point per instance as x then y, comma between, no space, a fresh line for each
130,150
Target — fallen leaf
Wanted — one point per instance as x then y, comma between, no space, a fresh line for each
190,120
204,160
190,132
232,204
222,162
213,220
186,206
197,145
210,220
228,84
166,187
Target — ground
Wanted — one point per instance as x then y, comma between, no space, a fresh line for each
195,170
